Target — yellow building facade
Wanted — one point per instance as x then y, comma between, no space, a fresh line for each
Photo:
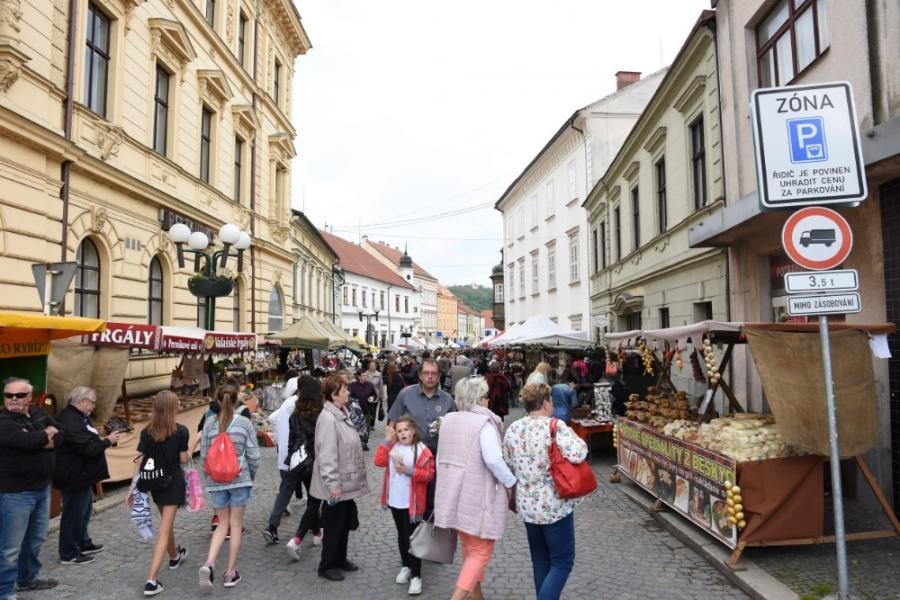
123,117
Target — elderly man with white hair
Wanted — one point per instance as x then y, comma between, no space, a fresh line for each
80,464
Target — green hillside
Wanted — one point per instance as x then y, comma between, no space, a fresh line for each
476,298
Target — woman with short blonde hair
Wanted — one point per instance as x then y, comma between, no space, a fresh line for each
473,482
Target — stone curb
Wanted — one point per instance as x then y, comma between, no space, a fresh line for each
754,581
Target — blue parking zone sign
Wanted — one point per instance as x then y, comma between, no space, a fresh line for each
807,140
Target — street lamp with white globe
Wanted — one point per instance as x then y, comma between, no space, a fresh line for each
210,279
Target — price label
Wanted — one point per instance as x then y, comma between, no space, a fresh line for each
844,280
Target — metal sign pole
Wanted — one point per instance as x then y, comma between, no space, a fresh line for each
836,490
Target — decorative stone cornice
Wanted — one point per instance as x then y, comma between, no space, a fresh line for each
11,61
690,94
109,139
245,121
214,89
281,147
170,42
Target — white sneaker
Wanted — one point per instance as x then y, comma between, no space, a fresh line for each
293,549
404,575
415,586
317,539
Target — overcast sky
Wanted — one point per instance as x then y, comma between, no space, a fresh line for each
412,114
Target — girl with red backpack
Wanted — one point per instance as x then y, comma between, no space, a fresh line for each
227,448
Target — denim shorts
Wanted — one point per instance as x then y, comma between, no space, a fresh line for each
239,496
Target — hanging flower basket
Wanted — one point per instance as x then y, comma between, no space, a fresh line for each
210,287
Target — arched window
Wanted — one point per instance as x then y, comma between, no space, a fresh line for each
155,293
236,306
276,311
87,280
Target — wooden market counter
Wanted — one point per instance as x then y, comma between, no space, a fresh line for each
120,458
587,428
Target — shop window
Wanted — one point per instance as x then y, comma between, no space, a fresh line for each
87,280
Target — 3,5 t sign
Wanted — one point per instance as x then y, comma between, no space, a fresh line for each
807,146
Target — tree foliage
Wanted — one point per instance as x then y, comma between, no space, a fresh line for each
477,298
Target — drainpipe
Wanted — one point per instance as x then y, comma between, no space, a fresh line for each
66,166
253,173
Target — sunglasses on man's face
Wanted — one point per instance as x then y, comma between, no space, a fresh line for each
16,395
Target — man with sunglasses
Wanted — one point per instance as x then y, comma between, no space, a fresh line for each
28,438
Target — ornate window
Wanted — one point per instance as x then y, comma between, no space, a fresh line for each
87,280
161,110
276,311
206,133
155,293
698,163
96,60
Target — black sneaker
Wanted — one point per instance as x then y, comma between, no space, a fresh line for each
271,534
180,555
232,580
92,549
78,559
152,588
37,584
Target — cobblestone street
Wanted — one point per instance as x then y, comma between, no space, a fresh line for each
622,553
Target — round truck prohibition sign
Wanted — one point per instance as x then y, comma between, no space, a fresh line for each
817,238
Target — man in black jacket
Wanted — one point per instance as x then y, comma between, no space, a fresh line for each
27,441
80,463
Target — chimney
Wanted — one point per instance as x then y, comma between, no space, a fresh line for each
626,78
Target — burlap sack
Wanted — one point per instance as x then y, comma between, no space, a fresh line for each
71,364
791,371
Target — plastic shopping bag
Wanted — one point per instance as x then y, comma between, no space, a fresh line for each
196,501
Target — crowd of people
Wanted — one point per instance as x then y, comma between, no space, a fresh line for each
446,457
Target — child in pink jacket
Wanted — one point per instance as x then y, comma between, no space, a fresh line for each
408,467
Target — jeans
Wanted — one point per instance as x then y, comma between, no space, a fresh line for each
286,489
73,523
23,530
552,555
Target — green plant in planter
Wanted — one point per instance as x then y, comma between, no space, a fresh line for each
214,286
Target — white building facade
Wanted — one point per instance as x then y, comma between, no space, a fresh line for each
545,227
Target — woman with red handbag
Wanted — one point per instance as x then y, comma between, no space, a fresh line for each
549,519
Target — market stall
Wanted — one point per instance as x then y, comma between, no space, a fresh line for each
750,479
25,343
197,349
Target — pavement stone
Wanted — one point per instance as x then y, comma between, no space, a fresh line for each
621,553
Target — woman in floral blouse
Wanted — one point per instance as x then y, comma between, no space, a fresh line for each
549,520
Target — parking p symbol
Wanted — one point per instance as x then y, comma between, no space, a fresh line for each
807,140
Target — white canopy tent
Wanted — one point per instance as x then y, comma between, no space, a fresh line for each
540,330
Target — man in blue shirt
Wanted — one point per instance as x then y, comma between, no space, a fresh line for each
564,397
